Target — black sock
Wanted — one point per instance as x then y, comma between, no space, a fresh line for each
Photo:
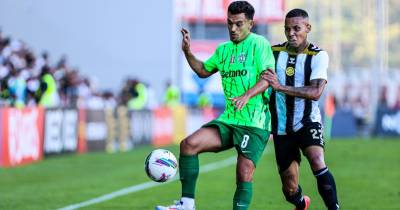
296,199
327,188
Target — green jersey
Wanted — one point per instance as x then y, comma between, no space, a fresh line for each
240,66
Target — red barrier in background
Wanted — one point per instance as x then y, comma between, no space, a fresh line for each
22,136
163,127
82,147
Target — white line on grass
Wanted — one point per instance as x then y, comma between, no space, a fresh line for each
147,185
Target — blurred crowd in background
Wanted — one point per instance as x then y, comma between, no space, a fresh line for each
29,79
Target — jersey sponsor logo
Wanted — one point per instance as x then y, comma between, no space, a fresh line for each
237,73
292,60
290,71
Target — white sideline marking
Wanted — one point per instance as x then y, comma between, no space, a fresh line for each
147,185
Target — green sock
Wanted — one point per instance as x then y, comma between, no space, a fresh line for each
188,171
243,194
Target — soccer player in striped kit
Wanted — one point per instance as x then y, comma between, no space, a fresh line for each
298,82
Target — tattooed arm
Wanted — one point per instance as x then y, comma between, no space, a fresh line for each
312,92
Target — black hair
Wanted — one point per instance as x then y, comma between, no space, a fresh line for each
245,7
297,13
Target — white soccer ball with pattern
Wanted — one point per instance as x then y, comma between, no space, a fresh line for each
161,165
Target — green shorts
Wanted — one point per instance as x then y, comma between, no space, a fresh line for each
248,141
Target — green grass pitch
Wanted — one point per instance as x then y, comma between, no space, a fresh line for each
367,174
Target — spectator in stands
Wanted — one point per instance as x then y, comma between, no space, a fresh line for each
127,92
172,95
360,112
47,94
17,88
346,102
43,60
139,101
4,77
109,100
70,87
85,93
32,86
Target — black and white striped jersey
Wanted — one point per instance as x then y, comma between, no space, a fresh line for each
289,113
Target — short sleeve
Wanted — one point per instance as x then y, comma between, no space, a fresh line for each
211,63
319,66
265,57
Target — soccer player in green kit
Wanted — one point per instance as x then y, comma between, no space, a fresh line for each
245,123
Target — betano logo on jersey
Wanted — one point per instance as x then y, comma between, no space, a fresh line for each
237,73
290,71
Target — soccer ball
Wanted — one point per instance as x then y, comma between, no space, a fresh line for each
161,165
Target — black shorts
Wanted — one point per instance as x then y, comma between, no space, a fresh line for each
287,147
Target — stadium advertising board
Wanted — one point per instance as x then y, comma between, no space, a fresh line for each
214,11
196,118
61,131
95,130
141,127
70,130
22,136
179,114
163,127
343,124
387,123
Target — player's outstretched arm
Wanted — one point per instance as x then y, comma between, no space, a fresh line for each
194,63
240,101
312,91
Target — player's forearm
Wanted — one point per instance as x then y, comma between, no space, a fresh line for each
258,88
196,65
307,92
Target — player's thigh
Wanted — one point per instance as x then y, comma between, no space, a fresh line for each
205,139
287,151
250,142
312,145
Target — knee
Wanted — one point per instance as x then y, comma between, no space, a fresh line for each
316,161
189,146
246,171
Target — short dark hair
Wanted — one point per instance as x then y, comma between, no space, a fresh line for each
297,13
245,7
